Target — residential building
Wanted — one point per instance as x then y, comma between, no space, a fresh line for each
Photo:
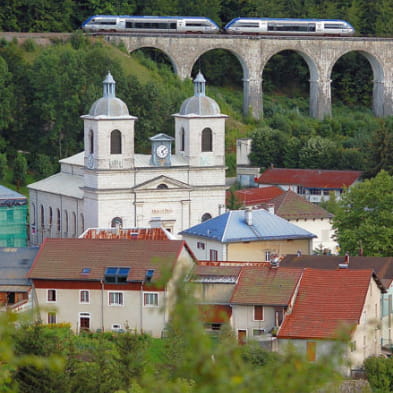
247,235
15,288
255,198
328,304
109,184
315,185
13,218
382,266
108,285
306,215
246,174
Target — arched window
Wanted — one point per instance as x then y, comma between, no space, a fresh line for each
117,222
162,186
82,223
182,139
33,215
206,216
207,140
73,223
65,221
58,221
42,212
115,142
50,217
91,142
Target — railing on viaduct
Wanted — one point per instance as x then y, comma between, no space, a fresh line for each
253,52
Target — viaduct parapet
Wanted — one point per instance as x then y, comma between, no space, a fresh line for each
253,52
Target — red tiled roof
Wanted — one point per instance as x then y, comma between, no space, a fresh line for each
256,196
206,270
126,233
266,285
326,300
310,178
290,206
64,259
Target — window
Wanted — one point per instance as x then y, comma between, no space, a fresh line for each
116,275
267,255
258,332
182,139
42,216
207,140
65,221
201,245
84,296
149,275
58,220
91,141
116,299
115,142
74,223
311,351
150,299
206,216
51,295
50,216
82,223
213,255
258,313
162,186
51,317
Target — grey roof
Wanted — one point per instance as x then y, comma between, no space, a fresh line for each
14,265
62,184
76,159
11,198
231,227
109,105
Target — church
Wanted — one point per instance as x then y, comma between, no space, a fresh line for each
109,185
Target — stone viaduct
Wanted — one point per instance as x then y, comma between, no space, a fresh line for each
253,52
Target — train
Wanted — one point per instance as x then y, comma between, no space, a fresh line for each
203,25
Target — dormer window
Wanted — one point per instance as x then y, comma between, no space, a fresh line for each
116,275
149,275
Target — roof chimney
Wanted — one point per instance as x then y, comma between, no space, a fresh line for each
248,216
270,208
274,262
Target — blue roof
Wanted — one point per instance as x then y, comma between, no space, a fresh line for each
231,227
10,197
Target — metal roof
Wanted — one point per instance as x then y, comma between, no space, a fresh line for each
10,197
232,227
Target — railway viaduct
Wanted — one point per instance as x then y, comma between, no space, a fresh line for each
253,52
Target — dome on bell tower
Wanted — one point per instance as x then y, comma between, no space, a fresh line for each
109,105
199,104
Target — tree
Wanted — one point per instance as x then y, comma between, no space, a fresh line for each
20,170
364,219
3,166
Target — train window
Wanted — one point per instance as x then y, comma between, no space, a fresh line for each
197,24
107,22
311,27
248,24
333,26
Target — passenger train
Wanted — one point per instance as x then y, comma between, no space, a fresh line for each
201,25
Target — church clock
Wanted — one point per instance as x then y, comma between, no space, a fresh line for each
161,150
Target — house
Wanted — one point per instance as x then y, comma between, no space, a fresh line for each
306,215
260,300
328,303
109,184
255,198
13,218
15,288
382,266
314,185
246,235
106,285
246,174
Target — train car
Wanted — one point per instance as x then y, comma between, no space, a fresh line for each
166,24
286,26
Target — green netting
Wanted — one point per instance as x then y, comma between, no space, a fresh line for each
13,226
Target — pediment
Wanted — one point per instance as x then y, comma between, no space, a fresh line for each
163,181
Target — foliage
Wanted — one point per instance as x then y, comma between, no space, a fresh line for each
364,219
3,166
379,372
20,170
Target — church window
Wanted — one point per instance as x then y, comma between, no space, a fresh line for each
117,222
115,142
50,216
33,215
65,221
182,139
73,223
206,216
91,142
58,220
42,216
162,186
82,223
207,140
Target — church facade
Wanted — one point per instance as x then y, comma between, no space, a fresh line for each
109,185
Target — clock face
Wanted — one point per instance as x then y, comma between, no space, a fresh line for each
162,151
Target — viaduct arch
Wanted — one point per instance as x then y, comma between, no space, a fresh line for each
253,52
